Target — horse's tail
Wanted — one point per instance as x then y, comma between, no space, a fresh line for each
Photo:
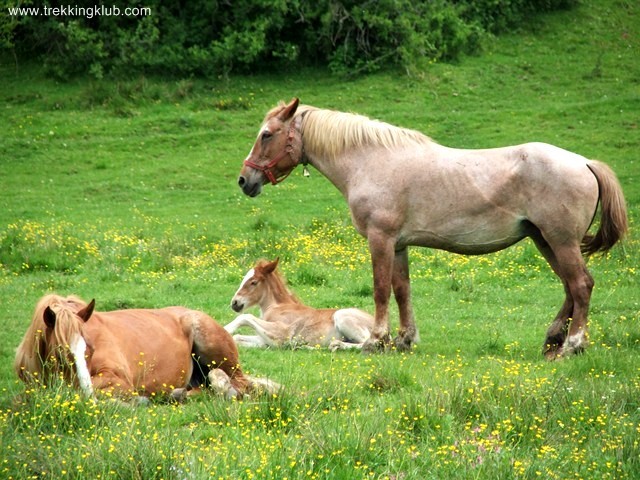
613,211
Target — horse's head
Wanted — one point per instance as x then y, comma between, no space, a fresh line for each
276,152
253,286
64,341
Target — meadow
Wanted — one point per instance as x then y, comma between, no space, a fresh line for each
125,191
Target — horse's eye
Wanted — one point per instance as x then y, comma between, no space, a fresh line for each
266,135
253,283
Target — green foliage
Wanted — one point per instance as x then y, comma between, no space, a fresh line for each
216,37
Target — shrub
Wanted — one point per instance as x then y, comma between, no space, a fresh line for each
217,37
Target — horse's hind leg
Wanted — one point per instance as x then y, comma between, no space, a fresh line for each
213,347
568,332
557,332
354,326
580,284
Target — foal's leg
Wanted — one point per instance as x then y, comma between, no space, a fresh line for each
272,334
381,248
408,334
253,341
353,326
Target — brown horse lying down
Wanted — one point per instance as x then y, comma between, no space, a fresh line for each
285,320
131,352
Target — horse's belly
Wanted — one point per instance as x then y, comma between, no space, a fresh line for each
469,238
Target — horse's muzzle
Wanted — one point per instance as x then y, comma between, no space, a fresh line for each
237,306
250,189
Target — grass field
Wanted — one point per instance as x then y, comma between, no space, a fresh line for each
125,191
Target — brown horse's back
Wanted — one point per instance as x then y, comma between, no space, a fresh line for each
158,348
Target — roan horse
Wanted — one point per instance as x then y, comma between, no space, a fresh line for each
287,321
131,353
404,189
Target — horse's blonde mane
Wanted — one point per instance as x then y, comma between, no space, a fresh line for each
33,350
331,133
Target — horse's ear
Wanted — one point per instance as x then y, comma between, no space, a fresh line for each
271,266
86,312
49,317
289,110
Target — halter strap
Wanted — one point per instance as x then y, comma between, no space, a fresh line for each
290,147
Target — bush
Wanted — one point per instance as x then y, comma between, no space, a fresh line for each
207,37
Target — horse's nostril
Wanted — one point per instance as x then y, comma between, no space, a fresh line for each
241,181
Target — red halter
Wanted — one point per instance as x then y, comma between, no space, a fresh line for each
288,150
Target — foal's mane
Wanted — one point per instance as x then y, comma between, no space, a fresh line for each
330,133
277,284
33,351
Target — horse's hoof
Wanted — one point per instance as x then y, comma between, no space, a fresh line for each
551,356
379,345
178,395
552,352
403,343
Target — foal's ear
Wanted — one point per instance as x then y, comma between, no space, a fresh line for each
289,110
49,317
271,266
86,312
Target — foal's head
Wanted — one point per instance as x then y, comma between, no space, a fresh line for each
262,285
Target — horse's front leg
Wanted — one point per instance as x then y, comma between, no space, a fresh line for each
271,334
382,259
408,334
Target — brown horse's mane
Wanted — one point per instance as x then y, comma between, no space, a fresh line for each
330,133
277,284
34,351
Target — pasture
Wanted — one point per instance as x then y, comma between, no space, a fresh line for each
125,191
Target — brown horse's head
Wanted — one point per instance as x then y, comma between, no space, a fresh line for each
276,152
54,339
64,330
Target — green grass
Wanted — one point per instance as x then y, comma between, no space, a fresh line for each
125,191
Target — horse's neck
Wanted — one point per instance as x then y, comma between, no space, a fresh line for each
277,294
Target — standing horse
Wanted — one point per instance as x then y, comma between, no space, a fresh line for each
404,189
129,352
285,320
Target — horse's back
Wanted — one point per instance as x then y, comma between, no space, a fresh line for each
315,325
479,201
141,324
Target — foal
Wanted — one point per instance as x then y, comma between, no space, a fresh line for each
285,320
